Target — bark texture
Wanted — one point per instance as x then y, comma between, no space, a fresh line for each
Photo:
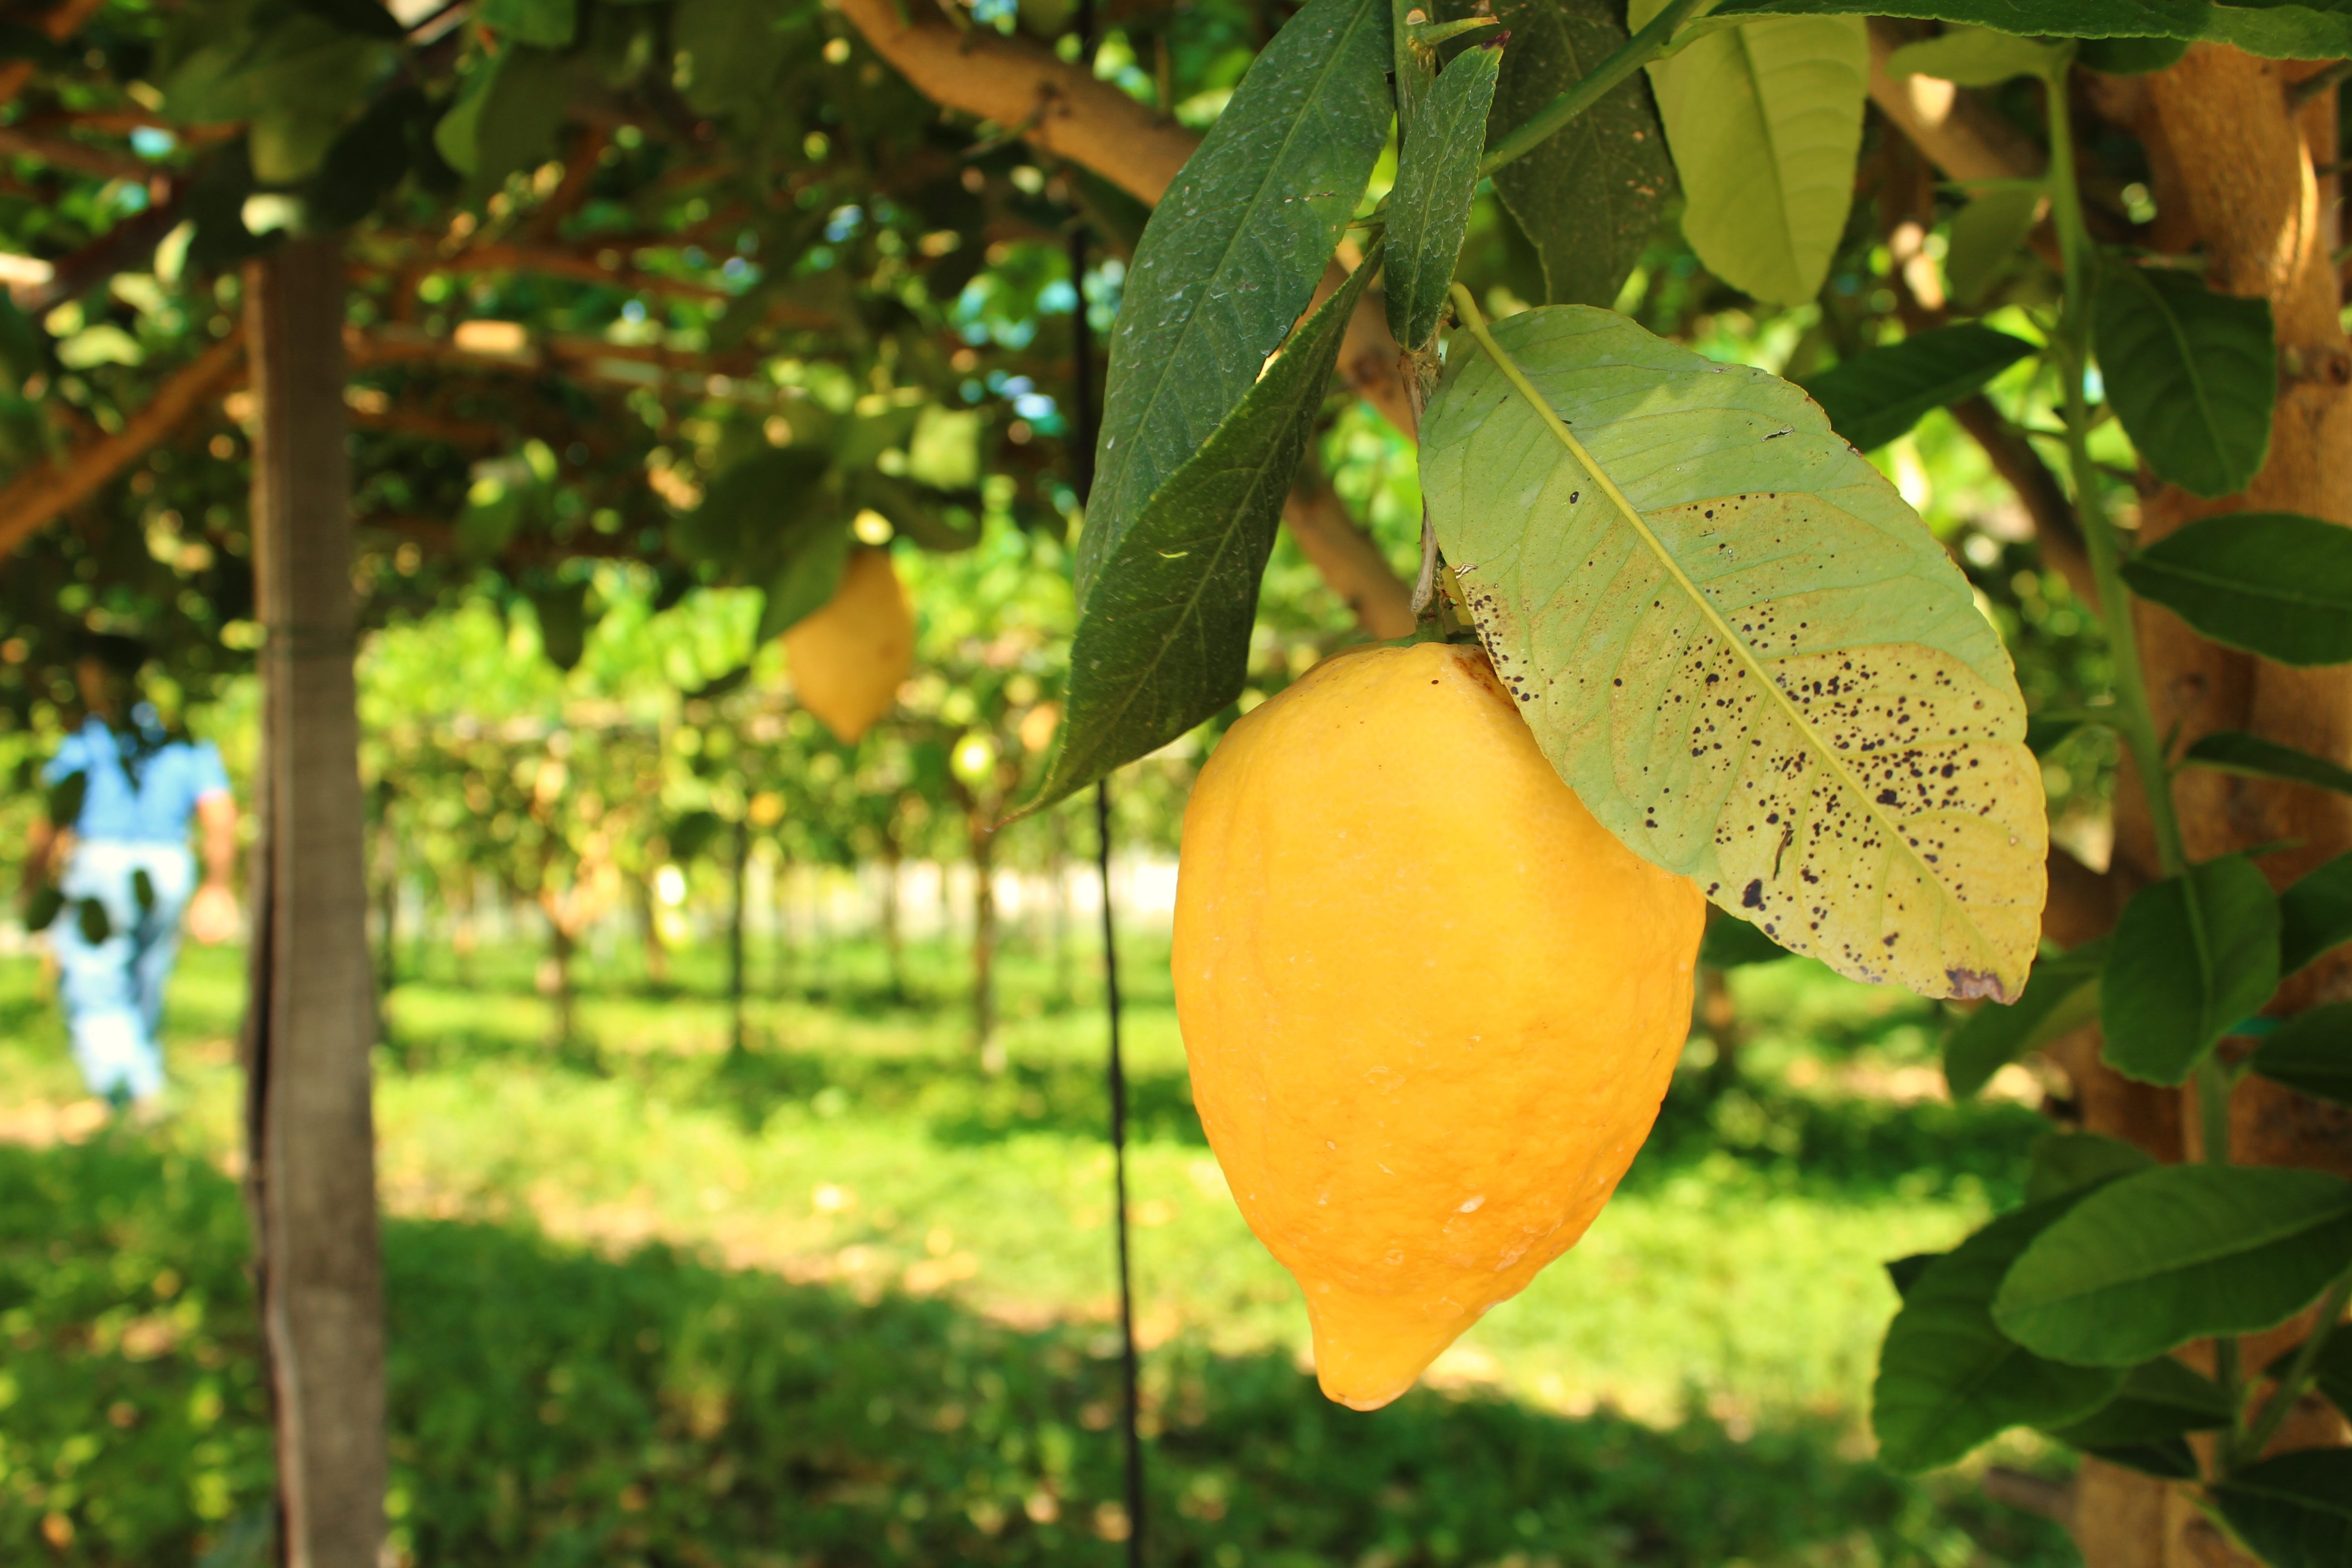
312,1161
2233,163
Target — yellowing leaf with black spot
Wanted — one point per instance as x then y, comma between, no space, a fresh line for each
1741,648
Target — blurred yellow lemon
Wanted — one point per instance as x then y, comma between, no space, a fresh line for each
849,658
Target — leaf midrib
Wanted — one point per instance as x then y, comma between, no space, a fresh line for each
1746,655
2155,565
2188,366
2230,1252
1257,200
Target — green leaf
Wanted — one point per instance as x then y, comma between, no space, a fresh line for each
1744,652
1734,944
1164,631
2250,756
1588,196
2063,1161
43,909
2129,57
2190,957
1764,121
2314,32
63,803
1437,175
1948,1378
2272,583
2316,913
2294,1510
1988,237
90,917
1874,397
143,890
2159,1400
2150,1261
2311,1053
544,23
2167,1459
1231,254
1903,1272
2331,1369
2192,374
814,560
735,49
563,621
2061,994
1977,56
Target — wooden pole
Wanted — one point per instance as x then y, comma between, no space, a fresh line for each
311,1160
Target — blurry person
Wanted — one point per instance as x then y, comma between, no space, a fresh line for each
127,788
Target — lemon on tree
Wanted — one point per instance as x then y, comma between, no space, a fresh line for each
849,657
1403,946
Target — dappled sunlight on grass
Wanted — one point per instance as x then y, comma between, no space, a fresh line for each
845,1298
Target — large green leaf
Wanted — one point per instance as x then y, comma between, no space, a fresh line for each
1977,57
1590,194
2061,994
1988,239
2316,913
2272,583
2063,1161
1948,1378
1231,254
2253,757
2312,1053
2191,956
1764,121
1437,176
2192,374
1741,648
2320,31
547,24
2148,1262
1874,397
2159,1399
1163,632
2294,1509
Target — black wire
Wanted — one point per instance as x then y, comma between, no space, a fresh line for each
1117,1084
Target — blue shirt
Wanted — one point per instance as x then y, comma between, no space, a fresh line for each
174,776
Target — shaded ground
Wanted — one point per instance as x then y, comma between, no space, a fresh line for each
844,1303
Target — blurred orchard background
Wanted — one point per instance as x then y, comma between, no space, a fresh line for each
741,1127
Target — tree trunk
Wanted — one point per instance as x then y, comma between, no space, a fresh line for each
780,894
2234,167
983,939
893,947
310,1130
737,1044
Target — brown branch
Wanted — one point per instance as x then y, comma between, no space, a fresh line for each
120,250
39,494
2029,1494
578,170
2084,905
62,22
2038,490
1061,110
1959,135
1351,564
63,153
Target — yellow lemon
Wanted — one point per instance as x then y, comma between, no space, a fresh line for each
1430,1004
849,657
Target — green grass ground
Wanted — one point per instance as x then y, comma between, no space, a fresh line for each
847,1300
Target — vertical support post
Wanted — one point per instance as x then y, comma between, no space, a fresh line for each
310,1021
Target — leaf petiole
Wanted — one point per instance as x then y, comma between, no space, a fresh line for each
2289,1388
1628,57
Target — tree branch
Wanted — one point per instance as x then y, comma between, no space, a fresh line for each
31,499
1351,564
1061,110
1959,135
63,153
62,22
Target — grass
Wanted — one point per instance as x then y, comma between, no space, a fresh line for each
847,1300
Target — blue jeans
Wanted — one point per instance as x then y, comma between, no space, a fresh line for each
113,989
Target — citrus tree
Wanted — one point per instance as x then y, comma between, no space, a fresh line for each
1736,643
